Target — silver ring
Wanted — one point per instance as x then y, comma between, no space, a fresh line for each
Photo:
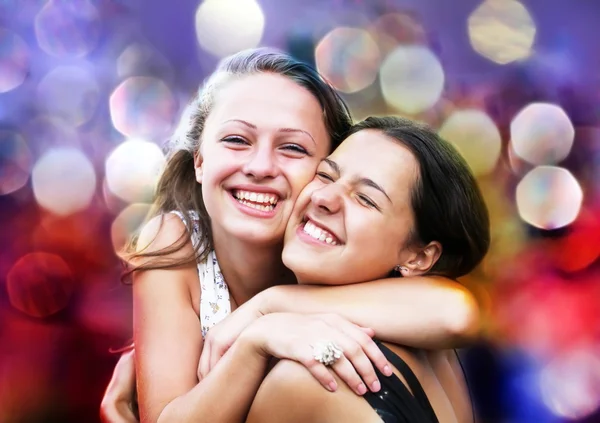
327,353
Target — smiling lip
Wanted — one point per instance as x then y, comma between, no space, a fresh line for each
310,217
259,189
304,237
246,206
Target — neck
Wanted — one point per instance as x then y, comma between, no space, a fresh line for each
249,268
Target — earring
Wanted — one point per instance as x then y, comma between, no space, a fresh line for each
400,269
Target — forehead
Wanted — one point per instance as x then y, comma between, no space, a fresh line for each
269,100
371,154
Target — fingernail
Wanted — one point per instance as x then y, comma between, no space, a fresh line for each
375,386
332,386
387,370
361,389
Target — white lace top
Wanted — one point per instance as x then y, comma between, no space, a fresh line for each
214,294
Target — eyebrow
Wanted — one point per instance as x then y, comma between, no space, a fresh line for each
288,130
363,181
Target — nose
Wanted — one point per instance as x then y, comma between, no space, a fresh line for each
261,164
328,198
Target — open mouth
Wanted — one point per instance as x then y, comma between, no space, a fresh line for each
319,233
257,200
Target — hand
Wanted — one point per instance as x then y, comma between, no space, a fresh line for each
292,336
222,336
117,403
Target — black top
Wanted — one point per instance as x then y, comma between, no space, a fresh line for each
394,403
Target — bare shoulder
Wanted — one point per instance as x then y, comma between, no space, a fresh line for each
162,232
167,234
290,393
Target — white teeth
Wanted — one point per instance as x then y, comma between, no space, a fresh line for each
318,233
260,199
257,206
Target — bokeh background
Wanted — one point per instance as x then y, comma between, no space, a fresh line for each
90,90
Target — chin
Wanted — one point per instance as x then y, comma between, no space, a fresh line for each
256,234
308,278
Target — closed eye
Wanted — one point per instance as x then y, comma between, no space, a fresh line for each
324,176
295,148
235,140
367,201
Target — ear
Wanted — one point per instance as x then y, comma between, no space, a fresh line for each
422,260
198,162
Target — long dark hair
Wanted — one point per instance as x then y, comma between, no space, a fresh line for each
446,201
177,187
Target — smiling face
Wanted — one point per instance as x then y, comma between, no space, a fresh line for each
353,221
260,146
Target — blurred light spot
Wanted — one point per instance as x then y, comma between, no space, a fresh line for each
570,384
517,165
70,93
47,132
348,58
113,203
133,169
502,31
64,181
14,60
15,162
395,29
542,133
476,137
39,284
127,224
412,79
67,28
143,106
549,197
142,60
224,27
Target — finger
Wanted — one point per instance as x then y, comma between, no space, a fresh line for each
368,331
347,372
319,372
204,364
366,342
374,354
359,360
124,374
215,354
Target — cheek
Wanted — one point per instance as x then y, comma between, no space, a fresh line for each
372,238
218,166
300,176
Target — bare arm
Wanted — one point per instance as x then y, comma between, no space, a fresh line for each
168,344
423,312
116,406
